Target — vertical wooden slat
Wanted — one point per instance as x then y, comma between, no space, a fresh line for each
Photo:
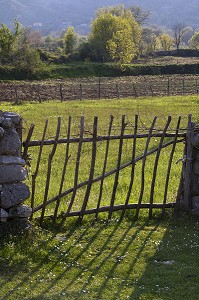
76,167
50,158
92,169
133,166
118,168
156,165
143,167
104,167
169,165
64,170
34,176
188,165
27,141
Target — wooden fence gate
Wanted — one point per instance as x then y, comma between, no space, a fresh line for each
87,172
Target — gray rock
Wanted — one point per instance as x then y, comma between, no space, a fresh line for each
1,132
11,160
12,173
194,185
20,211
3,215
195,202
195,211
10,143
195,140
16,119
196,167
7,123
13,194
195,154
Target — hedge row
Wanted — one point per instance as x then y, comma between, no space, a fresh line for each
98,70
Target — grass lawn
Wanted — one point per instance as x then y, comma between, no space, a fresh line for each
145,260
155,259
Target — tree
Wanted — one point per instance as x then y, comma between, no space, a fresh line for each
70,39
140,16
109,29
26,60
179,31
150,41
194,41
121,47
8,39
166,41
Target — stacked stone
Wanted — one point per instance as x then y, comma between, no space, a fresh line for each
195,173
13,192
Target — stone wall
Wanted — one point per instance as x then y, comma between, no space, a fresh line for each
13,192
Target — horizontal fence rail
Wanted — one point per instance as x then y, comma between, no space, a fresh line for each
77,176
100,89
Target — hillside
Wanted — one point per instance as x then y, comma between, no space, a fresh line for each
50,15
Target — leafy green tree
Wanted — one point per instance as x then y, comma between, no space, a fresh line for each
110,30
121,47
70,39
166,41
26,60
8,39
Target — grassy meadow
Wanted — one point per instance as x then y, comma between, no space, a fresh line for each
146,259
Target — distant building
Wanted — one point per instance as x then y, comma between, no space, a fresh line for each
37,24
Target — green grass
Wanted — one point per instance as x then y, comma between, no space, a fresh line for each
141,260
79,69
144,260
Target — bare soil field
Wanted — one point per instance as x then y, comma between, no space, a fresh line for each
95,88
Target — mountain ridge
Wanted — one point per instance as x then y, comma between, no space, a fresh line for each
54,15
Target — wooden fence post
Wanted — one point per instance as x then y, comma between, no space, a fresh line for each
61,92
183,86
168,87
117,92
16,95
99,89
135,91
38,91
80,89
188,165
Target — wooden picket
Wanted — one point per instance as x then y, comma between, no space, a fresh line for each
175,137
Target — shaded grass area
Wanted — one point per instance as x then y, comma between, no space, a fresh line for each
78,69
103,260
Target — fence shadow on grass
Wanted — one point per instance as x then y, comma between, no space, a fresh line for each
172,272
112,260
